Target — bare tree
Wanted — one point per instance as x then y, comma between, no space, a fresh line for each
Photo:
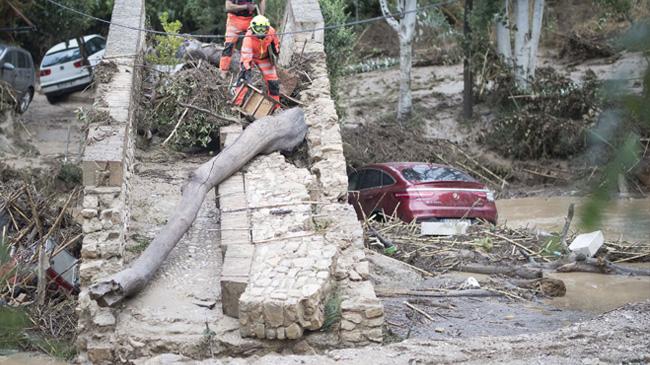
404,25
527,30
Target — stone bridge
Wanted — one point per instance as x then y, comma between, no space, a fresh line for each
273,253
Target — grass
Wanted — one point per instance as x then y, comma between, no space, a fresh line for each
141,244
332,312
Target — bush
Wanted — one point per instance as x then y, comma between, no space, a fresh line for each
339,41
167,45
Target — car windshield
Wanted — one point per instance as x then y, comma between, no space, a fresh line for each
426,173
64,56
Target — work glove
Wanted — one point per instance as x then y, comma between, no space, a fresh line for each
245,76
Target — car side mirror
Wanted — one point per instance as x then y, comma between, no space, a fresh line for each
8,66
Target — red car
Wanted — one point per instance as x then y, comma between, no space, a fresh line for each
419,191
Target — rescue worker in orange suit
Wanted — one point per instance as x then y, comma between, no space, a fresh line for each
259,43
240,14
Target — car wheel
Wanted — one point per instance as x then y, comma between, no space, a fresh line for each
52,99
25,100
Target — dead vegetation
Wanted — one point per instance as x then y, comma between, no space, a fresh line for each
551,120
36,226
514,258
186,108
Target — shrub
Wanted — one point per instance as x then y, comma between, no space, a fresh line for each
167,45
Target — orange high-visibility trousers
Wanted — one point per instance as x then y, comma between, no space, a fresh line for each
270,78
236,27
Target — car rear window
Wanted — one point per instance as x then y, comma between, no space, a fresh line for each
64,56
425,173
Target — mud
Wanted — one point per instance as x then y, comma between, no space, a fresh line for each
29,358
52,130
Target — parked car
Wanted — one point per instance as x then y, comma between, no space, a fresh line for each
17,69
419,191
63,70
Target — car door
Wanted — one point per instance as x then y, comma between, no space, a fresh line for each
369,191
96,48
22,72
353,192
9,75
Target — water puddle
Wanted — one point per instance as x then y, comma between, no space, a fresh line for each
600,293
623,219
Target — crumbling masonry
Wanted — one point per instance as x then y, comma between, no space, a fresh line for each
290,244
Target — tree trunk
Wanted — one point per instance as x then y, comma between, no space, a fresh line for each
536,32
468,79
522,44
407,31
405,104
515,271
504,45
282,132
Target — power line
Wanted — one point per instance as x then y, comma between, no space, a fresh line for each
220,36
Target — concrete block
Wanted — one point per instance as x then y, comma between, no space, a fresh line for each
588,243
444,228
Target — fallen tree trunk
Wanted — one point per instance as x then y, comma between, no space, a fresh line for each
517,271
602,267
282,132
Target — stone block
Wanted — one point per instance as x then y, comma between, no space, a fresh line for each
444,228
232,287
294,331
588,243
100,353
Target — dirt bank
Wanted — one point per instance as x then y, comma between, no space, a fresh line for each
620,336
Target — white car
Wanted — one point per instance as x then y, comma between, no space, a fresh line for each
63,70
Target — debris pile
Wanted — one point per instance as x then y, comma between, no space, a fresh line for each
372,143
519,256
186,107
549,120
40,245
8,100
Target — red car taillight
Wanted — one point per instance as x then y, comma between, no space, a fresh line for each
78,64
414,194
45,72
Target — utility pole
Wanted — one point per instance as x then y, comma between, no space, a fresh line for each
468,103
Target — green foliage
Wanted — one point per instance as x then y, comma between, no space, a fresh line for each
70,174
618,7
56,24
339,42
332,312
167,45
141,244
197,16
275,11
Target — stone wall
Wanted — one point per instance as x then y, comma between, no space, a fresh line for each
307,245
107,165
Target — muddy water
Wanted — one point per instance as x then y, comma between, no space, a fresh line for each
600,293
623,219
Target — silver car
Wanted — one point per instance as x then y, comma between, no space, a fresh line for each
17,69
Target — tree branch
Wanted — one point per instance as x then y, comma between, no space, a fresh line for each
390,19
